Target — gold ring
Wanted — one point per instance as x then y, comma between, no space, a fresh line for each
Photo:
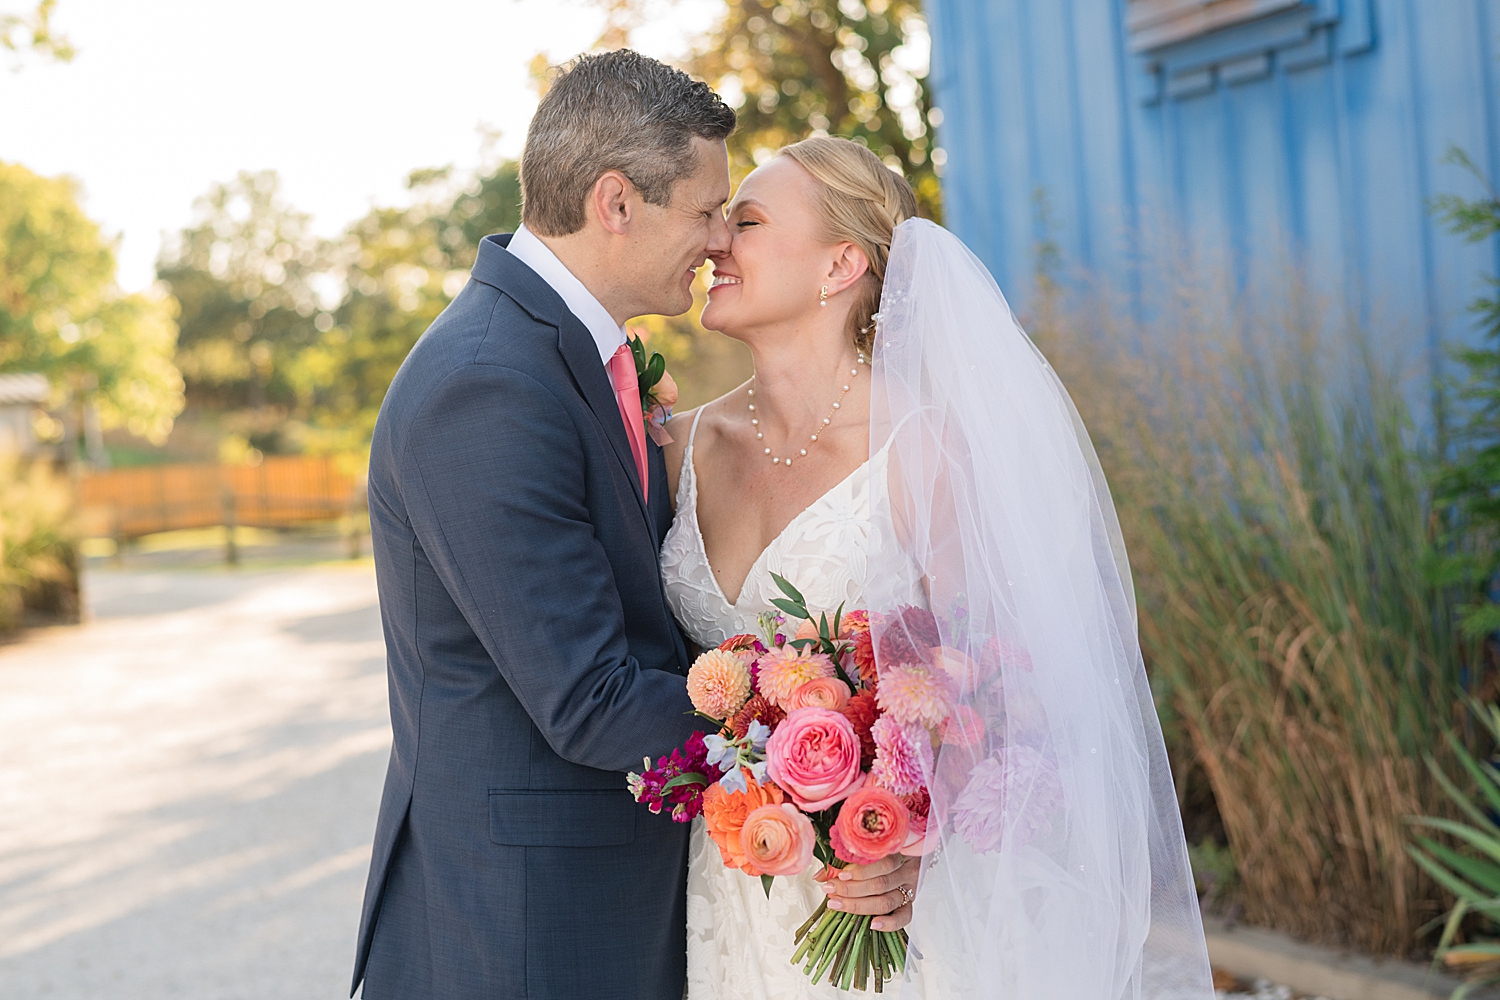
907,894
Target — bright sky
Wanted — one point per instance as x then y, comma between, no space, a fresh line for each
342,98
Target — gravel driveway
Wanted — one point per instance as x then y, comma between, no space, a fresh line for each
189,786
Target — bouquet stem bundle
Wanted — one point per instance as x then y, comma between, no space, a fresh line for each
843,946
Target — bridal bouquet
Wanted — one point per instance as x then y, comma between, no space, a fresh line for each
815,756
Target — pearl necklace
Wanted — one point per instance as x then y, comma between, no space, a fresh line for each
802,453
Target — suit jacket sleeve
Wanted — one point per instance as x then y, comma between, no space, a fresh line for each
499,506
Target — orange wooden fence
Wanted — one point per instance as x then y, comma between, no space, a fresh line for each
280,492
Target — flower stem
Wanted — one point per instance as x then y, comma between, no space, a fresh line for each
845,924
807,925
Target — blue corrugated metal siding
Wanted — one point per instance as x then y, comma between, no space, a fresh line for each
1314,137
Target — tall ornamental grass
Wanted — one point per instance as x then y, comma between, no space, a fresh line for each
1273,500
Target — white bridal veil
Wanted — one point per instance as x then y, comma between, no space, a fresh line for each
1056,865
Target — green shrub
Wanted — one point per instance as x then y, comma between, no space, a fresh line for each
38,560
1468,485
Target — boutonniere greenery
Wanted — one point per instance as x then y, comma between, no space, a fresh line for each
658,391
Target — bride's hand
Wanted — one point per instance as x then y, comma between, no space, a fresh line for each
884,889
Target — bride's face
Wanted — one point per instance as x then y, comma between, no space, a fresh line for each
776,266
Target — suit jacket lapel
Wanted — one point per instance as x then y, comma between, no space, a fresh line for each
582,355
495,266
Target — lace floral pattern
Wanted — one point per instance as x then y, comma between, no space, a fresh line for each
739,942
822,550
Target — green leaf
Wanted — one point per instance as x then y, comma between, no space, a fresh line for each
1489,845
638,354
1485,875
690,778
795,610
1443,877
765,882
1486,785
655,369
1459,798
790,591
823,626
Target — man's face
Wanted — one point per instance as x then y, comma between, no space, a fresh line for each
676,239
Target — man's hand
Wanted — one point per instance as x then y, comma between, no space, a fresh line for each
884,889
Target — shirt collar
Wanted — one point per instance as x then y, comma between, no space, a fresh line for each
608,335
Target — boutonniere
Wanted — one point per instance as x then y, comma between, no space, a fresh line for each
658,391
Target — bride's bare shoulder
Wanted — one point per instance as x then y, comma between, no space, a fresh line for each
680,427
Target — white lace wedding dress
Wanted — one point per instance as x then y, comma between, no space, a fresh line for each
739,943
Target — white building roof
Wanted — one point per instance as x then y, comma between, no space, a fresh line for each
24,388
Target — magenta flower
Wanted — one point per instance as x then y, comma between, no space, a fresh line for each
686,800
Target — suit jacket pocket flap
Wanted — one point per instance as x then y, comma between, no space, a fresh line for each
583,818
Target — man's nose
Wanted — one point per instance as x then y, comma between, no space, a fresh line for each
719,239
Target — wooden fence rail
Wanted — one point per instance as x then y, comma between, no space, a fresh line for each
280,492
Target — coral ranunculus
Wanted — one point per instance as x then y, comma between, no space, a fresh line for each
777,840
724,815
814,756
718,683
824,692
872,824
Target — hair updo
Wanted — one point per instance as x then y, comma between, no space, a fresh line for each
860,201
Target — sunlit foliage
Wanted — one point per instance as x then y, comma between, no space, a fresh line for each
854,68
62,314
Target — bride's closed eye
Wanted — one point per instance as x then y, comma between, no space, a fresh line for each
745,222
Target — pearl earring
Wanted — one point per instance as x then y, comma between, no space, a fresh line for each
823,299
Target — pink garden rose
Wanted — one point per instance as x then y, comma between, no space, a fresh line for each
778,840
872,824
814,756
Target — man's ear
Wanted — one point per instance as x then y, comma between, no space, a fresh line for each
613,201
849,265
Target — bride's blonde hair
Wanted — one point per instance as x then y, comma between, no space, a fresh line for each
860,201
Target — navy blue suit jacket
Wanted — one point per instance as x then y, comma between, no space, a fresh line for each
532,660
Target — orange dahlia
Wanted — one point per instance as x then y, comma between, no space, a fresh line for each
718,683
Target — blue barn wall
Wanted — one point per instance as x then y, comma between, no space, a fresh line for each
1315,135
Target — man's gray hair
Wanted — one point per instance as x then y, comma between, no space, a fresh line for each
616,111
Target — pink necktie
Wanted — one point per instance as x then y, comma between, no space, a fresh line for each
628,395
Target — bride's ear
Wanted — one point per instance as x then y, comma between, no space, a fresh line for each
849,265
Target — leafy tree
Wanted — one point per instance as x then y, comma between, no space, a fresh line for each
33,31
854,68
1470,481
293,340
62,314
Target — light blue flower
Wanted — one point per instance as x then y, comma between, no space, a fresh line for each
734,781
758,770
721,752
758,733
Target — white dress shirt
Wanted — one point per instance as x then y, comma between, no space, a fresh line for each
608,335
